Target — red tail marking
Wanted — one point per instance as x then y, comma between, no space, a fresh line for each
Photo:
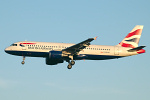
126,45
136,32
141,51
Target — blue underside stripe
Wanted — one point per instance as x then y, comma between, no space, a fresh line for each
46,54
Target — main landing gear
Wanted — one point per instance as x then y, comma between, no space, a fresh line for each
23,62
70,64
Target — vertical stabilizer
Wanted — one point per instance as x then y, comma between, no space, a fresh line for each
132,39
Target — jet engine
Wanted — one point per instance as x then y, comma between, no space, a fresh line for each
54,58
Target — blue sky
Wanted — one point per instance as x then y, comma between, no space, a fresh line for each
70,21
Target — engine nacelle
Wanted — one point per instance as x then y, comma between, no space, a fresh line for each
55,54
54,58
53,62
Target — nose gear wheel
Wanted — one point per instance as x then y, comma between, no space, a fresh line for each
23,62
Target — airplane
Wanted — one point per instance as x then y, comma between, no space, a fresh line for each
56,53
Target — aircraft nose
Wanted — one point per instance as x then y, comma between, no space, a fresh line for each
6,50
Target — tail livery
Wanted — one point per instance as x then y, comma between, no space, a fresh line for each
132,39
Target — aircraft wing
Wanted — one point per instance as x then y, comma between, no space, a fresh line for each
75,49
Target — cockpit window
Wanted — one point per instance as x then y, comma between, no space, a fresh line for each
14,45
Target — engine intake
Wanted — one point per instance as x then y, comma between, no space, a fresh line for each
54,58
55,54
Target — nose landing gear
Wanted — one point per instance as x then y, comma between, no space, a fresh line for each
23,62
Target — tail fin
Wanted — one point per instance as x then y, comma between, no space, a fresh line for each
132,39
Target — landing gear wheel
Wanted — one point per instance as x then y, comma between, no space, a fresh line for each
69,66
22,62
72,62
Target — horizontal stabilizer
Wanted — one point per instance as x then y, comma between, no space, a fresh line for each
136,49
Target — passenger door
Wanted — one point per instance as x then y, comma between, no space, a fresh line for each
116,52
23,46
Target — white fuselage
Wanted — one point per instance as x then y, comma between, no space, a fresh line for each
92,52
